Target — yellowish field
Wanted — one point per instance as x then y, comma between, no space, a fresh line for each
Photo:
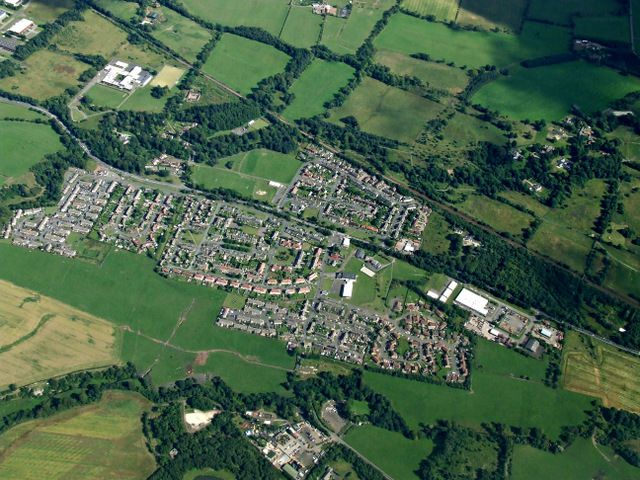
599,370
41,337
167,77
100,441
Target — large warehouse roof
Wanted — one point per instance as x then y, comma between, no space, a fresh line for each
473,301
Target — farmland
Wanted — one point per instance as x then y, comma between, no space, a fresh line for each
181,34
440,9
500,216
45,11
316,86
12,112
599,370
606,28
121,9
100,441
302,28
242,63
563,12
393,113
504,14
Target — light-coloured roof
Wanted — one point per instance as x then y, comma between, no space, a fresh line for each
473,301
21,25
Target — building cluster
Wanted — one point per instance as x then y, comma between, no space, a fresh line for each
293,448
165,163
125,76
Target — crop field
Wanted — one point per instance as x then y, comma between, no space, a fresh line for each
316,86
266,14
181,34
99,441
242,63
444,10
599,370
407,34
11,112
607,28
582,460
436,75
562,12
62,338
302,28
266,164
44,74
168,76
387,111
549,92
247,186
45,11
346,35
23,145
396,455
507,14
498,215
121,9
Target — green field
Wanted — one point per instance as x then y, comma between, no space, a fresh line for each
407,34
10,112
98,441
345,36
550,92
498,215
181,34
302,28
45,11
108,97
265,164
605,29
121,9
507,14
219,177
396,455
440,9
242,63
266,14
24,144
387,111
563,12
316,86
581,461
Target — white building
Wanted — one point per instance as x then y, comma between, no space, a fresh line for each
3,15
22,27
347,288
472,300
126,77
13,3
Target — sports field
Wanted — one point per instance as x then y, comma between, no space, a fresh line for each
594,368
220,177
242,63
265,164
24,144
95,442
582,460
440,9
502,217
181,34
563,12
488,14
103,96
396,455
607,28
387,111
302,28
407,34
549,92
316,86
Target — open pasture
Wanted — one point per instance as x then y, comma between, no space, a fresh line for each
241,63
607,28
181,34
119,8
498,215
99,441
549,92
387,111
41,338
316,86
266,14
599,370
563,12
11,112
46,11
407,34
503,14
247,186
444,10
302,28
264,163
624,272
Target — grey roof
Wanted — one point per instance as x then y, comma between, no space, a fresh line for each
8,44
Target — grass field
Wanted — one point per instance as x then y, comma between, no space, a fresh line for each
45,11
99,441
549,92
407,34
219,177
630,146
103,96
44,74
316,86
182,35
507,14
266,14
121,9
527,201
387,111
265,164
302,28
345,36
594,368
440,9
578,462
168,76
10,112
435,75
41,337
607,28
563,12
23,145
498,215
242,63
396,455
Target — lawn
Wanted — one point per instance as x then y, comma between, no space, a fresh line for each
606,28
24,144
219,177
108,97
265,164
594,368
346,35
440,9
302,28
396,455
562,12
241,63
102,440
580,461
498,215
407,34
266,14
182,35
387,111
316,86
488,14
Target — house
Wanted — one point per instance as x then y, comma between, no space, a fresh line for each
324,9
22,27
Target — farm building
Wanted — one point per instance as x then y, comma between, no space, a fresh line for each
472,300
324,9
126,77
22,27
8,44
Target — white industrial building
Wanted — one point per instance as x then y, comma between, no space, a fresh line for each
13,3
126,77
22,27
472,300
